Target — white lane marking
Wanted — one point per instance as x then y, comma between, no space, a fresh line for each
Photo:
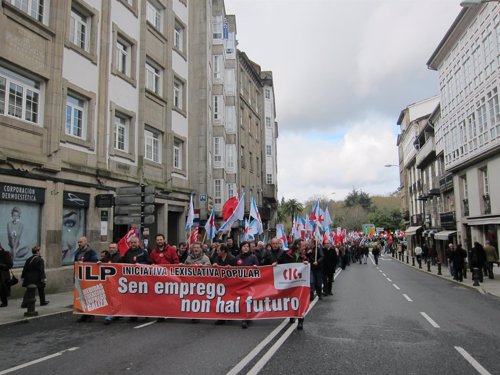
34,362
395,286
381,271
383,274
407,298
371,258
428,318
262,362
389,280
472,361
145,324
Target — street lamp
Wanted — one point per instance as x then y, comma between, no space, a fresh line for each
473,3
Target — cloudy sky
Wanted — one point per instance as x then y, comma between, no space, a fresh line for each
343,71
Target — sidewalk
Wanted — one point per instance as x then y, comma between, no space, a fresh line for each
59,303
489,286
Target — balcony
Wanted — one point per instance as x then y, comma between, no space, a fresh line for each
269,191
448,220
426,153
446,182
265,213
406,215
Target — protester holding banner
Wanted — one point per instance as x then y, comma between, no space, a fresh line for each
296,254
197,256
112,255
182,252
135,254
271,257
224,258
246,258
163,253
85,254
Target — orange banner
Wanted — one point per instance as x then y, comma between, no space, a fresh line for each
195,292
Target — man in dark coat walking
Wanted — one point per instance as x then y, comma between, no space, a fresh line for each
330,260
5,266
34,273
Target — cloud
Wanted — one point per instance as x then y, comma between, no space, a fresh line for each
308,166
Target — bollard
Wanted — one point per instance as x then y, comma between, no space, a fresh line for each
29,300
428,265
439,268
420,263
413,261
407,259
475,276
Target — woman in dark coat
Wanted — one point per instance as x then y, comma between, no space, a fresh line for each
5,266
34,273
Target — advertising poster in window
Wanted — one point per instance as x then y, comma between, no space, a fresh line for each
73,223
20,220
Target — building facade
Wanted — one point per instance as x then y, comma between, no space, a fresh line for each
467,61
93,96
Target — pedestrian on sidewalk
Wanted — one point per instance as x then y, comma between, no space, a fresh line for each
34,273
477,259
450,253
5,266
418,255
491,257
459,258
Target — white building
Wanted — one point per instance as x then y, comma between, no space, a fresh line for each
467,60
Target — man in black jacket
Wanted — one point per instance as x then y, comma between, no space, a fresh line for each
330,260
34,273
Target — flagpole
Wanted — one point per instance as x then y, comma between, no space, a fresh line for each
204,236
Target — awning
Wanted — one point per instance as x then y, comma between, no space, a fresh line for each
484,220
411,230
429,232
444,234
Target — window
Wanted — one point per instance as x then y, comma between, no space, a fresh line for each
218,194
152,146
121,133
230,81
218,109
20,97
179,37
79,28
231,158
269,150
242,157
177,154
123,58
269,178
217,66
154,14
75,117
230,119
268,122
257,165
486,185
153,78
251,162
178,94
217,27
218,152
38,9
231,189
268,94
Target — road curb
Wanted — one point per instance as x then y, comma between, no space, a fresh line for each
25,320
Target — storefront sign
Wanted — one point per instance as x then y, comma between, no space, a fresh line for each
21,193
75,199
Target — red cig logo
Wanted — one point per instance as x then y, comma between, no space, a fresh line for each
292,274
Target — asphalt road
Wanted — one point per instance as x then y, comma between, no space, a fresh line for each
393,319
413,324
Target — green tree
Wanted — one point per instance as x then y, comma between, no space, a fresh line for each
358,198
292,207
387,218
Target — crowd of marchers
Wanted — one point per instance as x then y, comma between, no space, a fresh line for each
323,257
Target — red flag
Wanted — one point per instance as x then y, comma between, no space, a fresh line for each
124,243
194,237
229,207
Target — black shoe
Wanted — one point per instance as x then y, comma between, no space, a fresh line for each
160,320
44,303
132,319
292,320
195,321
90,318
3,305
82,319
107,322
300,325
244,325
219,322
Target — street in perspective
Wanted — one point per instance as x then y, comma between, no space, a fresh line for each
249,187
